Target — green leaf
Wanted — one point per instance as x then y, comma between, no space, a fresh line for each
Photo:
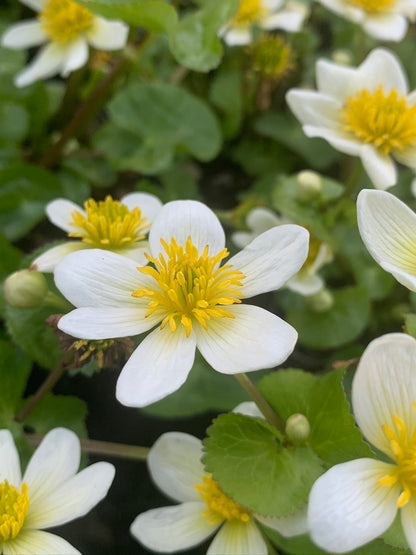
14,372
96,170
241,452
194,41
14,122
226,95
9,261
410,323
334,435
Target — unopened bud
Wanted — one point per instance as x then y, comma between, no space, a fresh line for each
342,57
309,185
297,428
321,301
25,289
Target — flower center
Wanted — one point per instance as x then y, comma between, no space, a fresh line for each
13,509
272,57
404,450
64,20
373,5
190,286
249,13
109,224
220,506
386,121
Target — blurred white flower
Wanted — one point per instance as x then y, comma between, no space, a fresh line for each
356,501
49,494
365,111
265,14
175,465
193,301
67,28
381,19
109,224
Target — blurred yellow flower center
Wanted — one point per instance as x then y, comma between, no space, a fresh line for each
13,509
221,507
249,13
404,450
108,224
373,5
384,120
271,56
64,20
190,286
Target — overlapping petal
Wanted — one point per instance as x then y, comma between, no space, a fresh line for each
107,35
24,35
49,61
34,542
238,538
9,459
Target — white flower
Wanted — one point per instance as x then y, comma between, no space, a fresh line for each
49,494
111,225
354,502
366,112
265,14
382,19
67,28
175,465
195,301
307,281
388,229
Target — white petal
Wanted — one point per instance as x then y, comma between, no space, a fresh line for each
294,524
383,386
72,499
261,219
382,67
406,156
55,460
158,367
386,26
271,259
347,508
107,322
107,35
379,166
287,20
408,514
24,35
171,529
59,212
388,229
335,80
315,108
249,409
340,140
230,346
272,5
36,542
36,5
238,538
181,219
48,62
238,37
9,459
305,283
48,261
136,253
242,238
175,465
149,205
76,56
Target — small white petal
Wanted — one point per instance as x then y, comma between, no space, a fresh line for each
238,538
271,259
261,219
382,67
340,140
231,347
9,459
249,409
406,156
238,37
408,515
287,20
305,283
24,35
149,205
386,26
182,219
175,465
107,35
379,166
347,508
316,109
36,542
336,80
36,5
242,238
76,56
48,261
48,62
294,524
171,529
136,253
158,367
59,212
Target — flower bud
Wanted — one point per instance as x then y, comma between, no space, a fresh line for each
309,185
297,428
342,57
321,301
25,289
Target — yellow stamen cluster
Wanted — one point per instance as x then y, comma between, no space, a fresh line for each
249,13
384,120
404,450
109,224
94,348
271,56
13,509
190,286
65,20
221,507
373,5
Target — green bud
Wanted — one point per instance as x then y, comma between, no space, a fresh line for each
309,185
297,428
25,289
321,301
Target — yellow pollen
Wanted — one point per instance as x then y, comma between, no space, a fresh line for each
386,121
404,452
189,286
13,509
373,5
64,20
249,13
220,506
109,224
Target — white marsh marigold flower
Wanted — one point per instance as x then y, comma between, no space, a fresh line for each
175,465
366,112
108,224
356,501
188,295
67,28
49,494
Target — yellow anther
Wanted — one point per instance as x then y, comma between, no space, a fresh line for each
373,5
249,13
220,506
13,510
65,20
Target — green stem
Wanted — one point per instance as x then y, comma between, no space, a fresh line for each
260,401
